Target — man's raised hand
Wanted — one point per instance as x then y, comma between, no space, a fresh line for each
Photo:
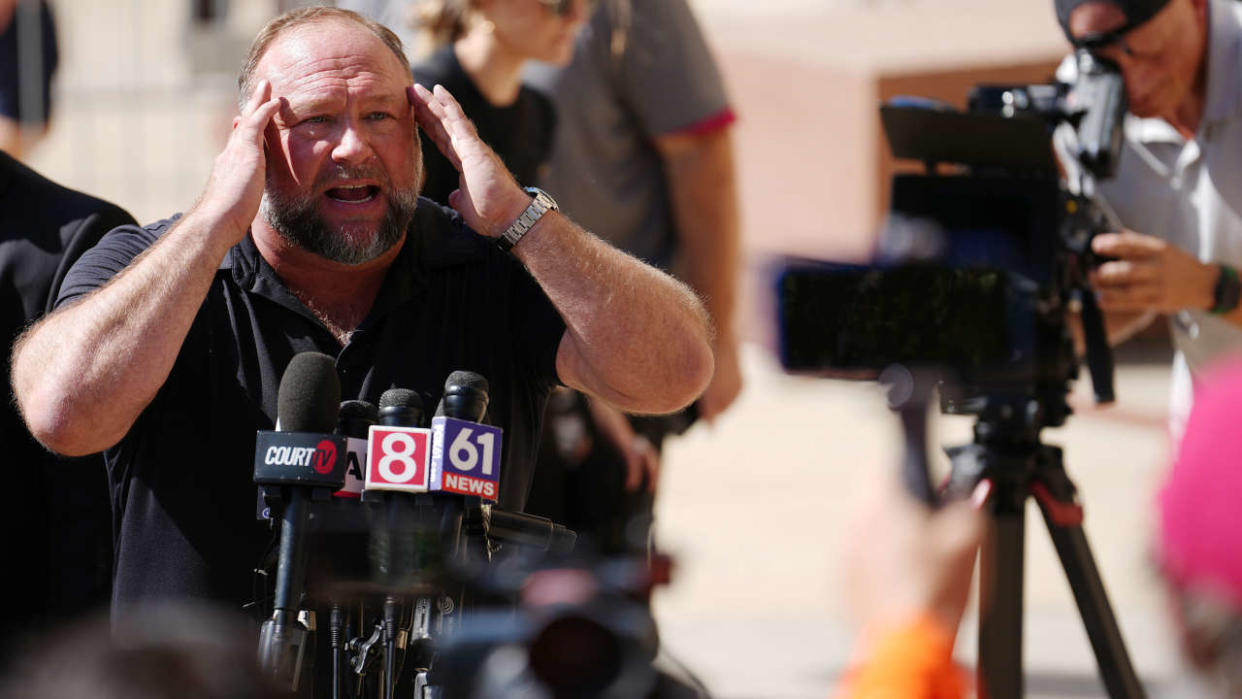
235,187
488,197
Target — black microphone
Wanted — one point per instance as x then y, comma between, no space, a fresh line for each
300,458
465,454
354,423
465,397
400,407
397,447
397,454
354,420
394,541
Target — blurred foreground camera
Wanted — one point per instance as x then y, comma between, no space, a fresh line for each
577,630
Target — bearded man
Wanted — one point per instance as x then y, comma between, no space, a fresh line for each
170,340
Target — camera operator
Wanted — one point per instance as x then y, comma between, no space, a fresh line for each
1179,184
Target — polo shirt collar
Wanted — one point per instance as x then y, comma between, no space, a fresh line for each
253,273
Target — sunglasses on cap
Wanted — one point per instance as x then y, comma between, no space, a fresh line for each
560,8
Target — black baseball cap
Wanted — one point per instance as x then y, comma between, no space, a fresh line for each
1136,12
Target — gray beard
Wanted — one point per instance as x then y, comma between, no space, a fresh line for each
297,222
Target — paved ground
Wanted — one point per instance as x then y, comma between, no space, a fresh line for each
754,508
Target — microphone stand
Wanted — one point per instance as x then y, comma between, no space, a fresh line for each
284,638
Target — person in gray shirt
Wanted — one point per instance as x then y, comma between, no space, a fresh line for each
643,155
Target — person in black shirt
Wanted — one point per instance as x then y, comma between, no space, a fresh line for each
169,341
482,50
60,540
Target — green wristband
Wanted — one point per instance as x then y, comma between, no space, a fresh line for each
1228,291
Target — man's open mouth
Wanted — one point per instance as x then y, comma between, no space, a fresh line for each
353,195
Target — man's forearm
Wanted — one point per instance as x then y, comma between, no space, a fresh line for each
84,374
635,336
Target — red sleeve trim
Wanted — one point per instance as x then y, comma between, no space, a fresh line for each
715,122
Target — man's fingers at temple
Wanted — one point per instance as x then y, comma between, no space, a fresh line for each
430,102
262,93
455,120
430,115
261,117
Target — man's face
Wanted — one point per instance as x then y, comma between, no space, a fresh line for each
1160,59
343,160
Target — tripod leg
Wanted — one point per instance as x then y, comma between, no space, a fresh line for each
1056,497
999,672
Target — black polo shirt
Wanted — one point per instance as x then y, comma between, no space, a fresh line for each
182,488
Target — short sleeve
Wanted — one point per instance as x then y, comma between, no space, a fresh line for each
101,263
666,55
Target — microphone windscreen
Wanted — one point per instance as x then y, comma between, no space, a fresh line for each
465,397
356,417
400,397
461,381
309,394
357,410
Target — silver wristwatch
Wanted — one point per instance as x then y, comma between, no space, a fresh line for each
542,204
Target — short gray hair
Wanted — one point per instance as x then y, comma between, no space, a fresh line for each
300,17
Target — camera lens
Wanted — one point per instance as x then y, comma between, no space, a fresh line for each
575,656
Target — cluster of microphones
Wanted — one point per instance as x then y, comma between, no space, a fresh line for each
375,508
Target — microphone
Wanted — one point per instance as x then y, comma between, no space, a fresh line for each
354,423
400,407
397,462
465,455
397,448
296,462
302,451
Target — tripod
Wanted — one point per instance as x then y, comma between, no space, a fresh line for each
1008,453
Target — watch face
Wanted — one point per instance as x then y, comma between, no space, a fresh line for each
543,197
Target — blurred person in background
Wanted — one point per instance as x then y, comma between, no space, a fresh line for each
1199,534
909,568
161,651
400,16
60,543
643,155
481,48
908,572
1178,188
28,58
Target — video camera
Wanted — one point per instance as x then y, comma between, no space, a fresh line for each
984,254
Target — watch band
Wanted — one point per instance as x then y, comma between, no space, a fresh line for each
541,204
1228,291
